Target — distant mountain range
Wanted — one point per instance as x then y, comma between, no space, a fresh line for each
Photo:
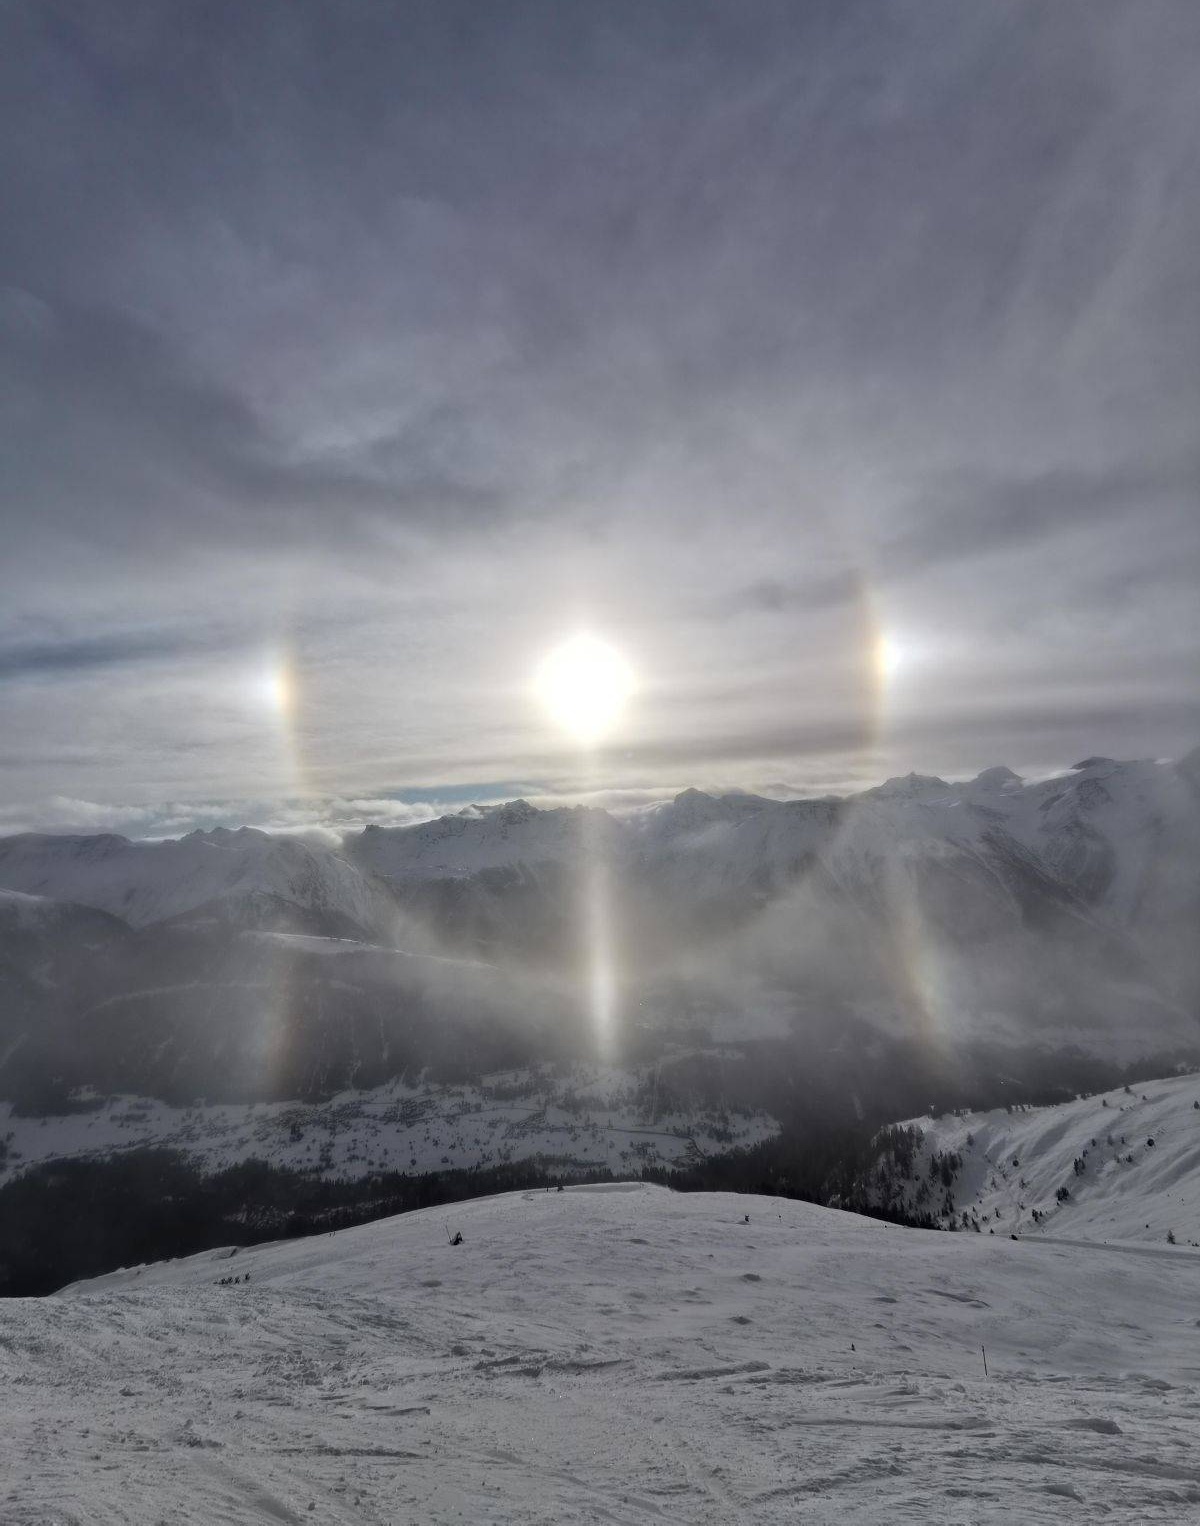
1109,839
806,939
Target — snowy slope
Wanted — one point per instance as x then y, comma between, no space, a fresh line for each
1120,833
591,1117
148,882
38,915
1137,1178
27,913
620,1355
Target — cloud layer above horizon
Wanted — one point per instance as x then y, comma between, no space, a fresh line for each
839,362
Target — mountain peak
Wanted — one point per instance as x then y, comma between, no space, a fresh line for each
225,834
997,778
693,808
910,785
513,812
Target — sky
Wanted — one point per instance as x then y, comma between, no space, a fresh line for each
837,363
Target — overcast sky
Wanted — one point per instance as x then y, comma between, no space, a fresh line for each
352,355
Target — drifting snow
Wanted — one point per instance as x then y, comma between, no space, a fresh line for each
622,1355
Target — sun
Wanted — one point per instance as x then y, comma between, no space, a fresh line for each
584,685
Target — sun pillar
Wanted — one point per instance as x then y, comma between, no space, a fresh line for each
584,685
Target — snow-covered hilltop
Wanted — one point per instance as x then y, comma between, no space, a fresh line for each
1120,1166
620,1355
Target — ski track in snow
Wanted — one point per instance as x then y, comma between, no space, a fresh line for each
625,1356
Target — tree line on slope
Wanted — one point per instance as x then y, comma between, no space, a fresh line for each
70,1219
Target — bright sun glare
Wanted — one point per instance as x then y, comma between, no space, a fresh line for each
584,685
273,688
888,656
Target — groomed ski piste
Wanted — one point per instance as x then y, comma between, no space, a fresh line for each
617,1354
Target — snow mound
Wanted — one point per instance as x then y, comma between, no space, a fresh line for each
627,1356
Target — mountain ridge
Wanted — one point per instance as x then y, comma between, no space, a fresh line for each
1077,823
939,916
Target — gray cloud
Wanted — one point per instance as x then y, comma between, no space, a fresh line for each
972,516
108,651
123,442
330,816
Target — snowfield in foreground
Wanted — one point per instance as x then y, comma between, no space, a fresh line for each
619,1354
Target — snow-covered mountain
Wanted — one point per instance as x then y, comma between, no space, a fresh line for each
244,875
493,837
1123,1165
1066,907
1117,839
40,918
917,920
614,1354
